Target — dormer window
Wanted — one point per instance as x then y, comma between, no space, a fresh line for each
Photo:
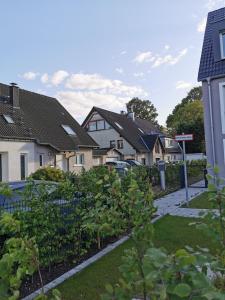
68,130
222,44
8,119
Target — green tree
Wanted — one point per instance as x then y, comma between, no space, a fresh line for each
187,117
143,109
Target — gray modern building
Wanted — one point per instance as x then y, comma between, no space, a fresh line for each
212,75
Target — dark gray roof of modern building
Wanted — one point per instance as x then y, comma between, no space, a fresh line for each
131,131
40,118
211,64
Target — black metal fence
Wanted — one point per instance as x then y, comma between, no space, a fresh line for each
174,174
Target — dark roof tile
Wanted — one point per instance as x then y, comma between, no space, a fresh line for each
40,118
211,64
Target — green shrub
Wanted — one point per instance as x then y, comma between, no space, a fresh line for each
49,174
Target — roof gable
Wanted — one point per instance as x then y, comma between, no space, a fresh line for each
211,64
131,131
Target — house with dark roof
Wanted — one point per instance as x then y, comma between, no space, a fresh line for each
36,131
173,151
212,74
132,137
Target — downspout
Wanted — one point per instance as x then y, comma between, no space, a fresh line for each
211,121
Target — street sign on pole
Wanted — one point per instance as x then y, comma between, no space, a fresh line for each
185,138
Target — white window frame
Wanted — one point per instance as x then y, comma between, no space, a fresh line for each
222,50
222,105
78,155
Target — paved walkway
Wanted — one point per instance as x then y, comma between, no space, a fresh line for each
170,204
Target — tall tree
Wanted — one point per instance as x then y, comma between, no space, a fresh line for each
143,109
187,117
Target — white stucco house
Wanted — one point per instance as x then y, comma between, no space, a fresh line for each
36,131
131,137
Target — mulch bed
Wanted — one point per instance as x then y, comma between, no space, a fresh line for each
32,283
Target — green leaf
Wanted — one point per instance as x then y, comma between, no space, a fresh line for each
182,290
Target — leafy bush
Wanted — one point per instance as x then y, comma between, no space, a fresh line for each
49,174
106,206
19,258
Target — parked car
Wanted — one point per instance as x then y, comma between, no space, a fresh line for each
118,164
133,162
121,167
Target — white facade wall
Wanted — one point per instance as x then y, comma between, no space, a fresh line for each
11,151
103,138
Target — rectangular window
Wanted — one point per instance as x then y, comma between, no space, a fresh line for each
41,160
79,159
100,125
222,105
143,161
107,126
120,144
92,126
157,147
222,44
112,144
23,166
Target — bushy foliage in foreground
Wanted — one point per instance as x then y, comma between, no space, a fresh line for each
152,273
67,223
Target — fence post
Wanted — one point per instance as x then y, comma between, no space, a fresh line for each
182,179
161,166
205,177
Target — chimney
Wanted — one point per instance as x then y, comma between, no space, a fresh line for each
14,95
122,112
131,114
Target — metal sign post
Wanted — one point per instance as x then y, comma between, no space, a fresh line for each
183,138
185,174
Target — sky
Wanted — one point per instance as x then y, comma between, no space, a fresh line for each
104,52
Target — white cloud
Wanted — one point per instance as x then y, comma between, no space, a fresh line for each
213,4
167,47
58,77
139,74
44,78
30,75
95,82
144,57
183,85
88,90
123,52
119,70
79,103
169,59
201,25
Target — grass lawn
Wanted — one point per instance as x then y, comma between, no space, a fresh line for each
170,232
201,201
